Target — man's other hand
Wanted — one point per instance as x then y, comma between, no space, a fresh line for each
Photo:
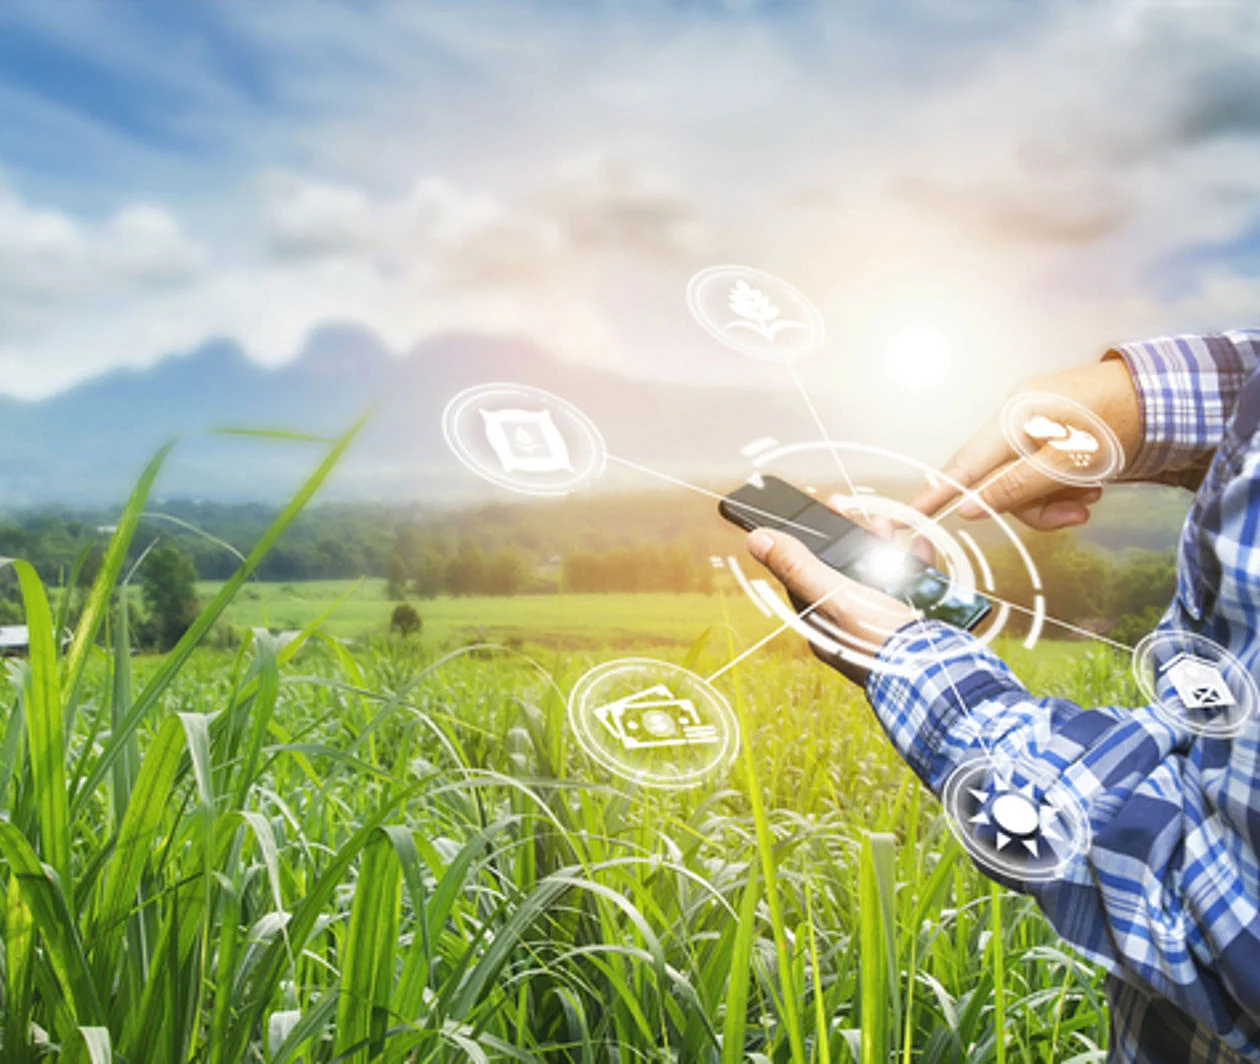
1016,486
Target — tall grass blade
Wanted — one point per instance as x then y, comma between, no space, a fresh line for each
11,748
876,960
115,558
180,653
368,963
19,944
98,1044
735,1021
134,847
41,891
44,722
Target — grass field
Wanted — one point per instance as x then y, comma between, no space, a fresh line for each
555,621
310,851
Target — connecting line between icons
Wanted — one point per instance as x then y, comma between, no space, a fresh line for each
831,446
988,753
778,631
968,492
1062,624
778,521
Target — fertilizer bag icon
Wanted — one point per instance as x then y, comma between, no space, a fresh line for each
526,441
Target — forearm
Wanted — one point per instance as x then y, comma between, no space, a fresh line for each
1140,898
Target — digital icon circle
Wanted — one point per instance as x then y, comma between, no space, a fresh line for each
1016,829
1195,683
523,438
653,723
1062,438
885,644
755,312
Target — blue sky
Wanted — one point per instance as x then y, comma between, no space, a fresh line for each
1029,181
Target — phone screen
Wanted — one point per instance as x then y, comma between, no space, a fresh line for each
850,549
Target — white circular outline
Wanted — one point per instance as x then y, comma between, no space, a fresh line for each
962,576
720,763
1251,701
1116,458
1064,803
455,407
816,323
867,660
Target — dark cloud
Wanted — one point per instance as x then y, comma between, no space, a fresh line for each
1221,101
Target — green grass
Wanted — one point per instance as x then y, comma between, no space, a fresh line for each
553,621
308,852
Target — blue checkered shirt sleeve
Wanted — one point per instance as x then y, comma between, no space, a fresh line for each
1167,894
1187,387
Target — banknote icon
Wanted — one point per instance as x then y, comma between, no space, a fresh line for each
655,718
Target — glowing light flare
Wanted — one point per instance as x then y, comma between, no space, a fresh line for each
885,565
919,357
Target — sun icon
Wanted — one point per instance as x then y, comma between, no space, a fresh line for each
1014,829
1016,816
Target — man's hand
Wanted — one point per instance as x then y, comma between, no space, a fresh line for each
869,616
1018,487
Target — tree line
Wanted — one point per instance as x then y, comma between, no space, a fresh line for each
617,545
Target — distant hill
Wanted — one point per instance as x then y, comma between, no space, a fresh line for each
87,445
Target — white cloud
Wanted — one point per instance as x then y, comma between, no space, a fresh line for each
53,265
483,166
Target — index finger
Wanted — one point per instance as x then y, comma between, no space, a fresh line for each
987,451
1020,483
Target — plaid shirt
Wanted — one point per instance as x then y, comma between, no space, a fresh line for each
1167,895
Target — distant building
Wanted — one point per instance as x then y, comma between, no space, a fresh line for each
14,640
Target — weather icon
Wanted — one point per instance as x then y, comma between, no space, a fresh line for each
1015,829
1040,426
1080,446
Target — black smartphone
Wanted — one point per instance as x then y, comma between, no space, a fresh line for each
768,502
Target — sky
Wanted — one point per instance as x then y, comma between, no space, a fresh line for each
1020,183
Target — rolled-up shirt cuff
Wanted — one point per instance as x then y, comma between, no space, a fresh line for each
925,678
1187,387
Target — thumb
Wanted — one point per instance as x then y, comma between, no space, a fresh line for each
796,568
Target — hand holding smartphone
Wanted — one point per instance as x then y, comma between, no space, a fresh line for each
852,550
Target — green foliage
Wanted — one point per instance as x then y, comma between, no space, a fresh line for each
169,582
396,581
1144,584
237,856
646,567
404,620
1124,597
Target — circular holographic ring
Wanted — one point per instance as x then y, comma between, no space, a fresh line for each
653,723
959,551
1062,439
1195,683
958,566
523,438
1018,830
755,312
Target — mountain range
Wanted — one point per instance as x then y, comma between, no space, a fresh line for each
87,445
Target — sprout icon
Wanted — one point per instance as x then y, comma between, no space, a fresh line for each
757,313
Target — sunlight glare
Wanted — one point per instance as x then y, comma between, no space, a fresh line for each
920,357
